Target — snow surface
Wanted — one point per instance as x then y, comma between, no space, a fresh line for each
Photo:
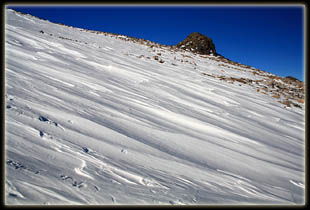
93,119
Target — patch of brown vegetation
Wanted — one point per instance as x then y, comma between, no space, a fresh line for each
286,102
208,74
300,101
276,96
241,80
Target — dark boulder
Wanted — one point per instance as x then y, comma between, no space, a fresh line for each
198,43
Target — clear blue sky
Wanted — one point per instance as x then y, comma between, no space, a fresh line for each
270,38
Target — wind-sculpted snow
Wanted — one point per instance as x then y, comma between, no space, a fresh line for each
95,119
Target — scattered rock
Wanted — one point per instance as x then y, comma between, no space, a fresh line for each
124,151
76,184
15,164
20,166
12,194
43,119
64,177
97,188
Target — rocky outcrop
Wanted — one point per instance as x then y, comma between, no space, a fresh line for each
198,43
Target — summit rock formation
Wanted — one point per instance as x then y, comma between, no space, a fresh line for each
198,43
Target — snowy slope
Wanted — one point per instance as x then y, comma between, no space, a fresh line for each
95,119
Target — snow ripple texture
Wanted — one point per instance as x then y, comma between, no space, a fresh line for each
95,119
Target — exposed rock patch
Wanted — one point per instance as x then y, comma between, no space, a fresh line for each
198,43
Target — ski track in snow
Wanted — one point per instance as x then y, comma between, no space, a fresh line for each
91,119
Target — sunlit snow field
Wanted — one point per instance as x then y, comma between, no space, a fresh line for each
90,121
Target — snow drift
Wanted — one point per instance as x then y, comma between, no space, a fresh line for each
94,118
